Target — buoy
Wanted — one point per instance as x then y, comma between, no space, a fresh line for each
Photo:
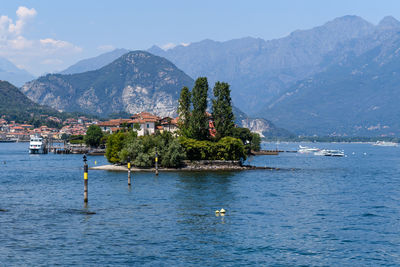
222,211
217,211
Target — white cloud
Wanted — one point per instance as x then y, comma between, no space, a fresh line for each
168,46
53,44
105,47
24,14
172,45
19,43
34,54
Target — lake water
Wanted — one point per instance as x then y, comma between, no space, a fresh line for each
312,211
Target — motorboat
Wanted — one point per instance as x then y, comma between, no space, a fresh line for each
384,143
306,149
330,153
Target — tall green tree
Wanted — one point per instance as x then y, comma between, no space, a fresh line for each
198,123
222,110
184,110
93,136
115,143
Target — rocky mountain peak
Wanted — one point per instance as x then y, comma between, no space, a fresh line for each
389,22
135,82
349,25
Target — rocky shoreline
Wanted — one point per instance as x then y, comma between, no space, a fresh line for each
191,167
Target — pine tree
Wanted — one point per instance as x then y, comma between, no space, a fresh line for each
184,110
198,123
222,110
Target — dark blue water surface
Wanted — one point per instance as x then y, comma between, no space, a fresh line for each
312,211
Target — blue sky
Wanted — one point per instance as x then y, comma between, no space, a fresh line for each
51,35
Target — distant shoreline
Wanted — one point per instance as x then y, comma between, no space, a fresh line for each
331,139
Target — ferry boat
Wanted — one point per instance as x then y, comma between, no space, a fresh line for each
37,145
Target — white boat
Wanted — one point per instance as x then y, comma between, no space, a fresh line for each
330,153
384,143
306,149
37,145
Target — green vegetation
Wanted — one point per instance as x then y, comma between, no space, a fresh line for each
198,122
252,141
184,110
93,136
222,110
15,106
142,149
76,139
115,143
194,141
119,115
228,148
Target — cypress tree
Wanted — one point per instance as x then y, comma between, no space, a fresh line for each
222,110
198,123
184,110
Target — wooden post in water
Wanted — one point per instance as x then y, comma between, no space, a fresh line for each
156,160
85,179
129,171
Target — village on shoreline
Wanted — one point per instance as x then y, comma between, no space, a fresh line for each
20,132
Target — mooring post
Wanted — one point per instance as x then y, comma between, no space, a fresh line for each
129,171
156,159
85,178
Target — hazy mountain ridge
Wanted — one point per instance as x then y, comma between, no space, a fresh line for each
95,63
13,74
256,67
269,75
358,95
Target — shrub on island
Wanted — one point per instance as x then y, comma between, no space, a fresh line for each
227,148
142,150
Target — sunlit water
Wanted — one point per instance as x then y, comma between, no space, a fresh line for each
312,211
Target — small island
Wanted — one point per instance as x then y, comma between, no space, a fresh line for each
195,140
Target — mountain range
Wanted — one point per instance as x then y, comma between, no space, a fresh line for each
305,82
134,82
255,67
359,95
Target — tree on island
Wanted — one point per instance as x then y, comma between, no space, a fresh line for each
222,110
184,110
198,123
93,136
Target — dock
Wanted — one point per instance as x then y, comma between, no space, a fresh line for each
61,147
